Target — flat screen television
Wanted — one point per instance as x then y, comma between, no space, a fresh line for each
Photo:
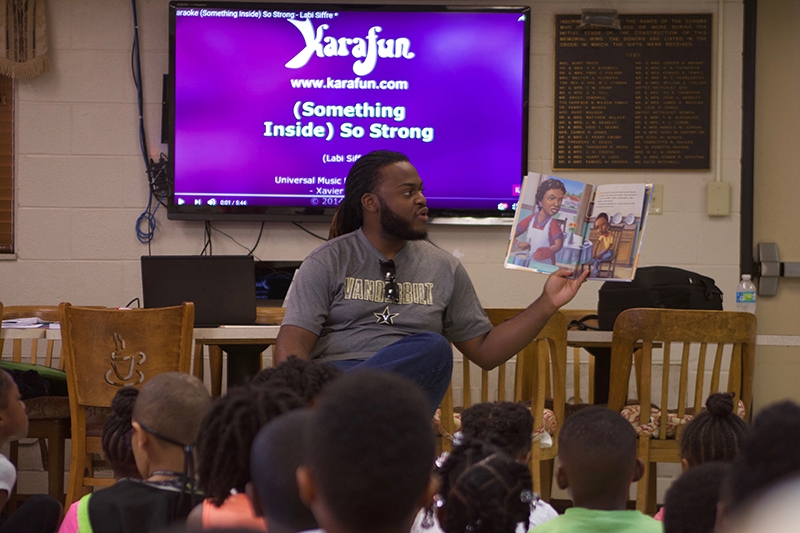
270,105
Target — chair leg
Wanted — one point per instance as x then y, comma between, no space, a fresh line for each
545,486
43,451
541,473
77,472
215,370
643,485
13,453
535,467
198,362
55,453
652,489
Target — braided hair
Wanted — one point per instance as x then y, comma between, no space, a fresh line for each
304,378
506,424
362,179
715,434
767,456
227,434
484,489
117,432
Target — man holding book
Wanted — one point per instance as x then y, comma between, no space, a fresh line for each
378,295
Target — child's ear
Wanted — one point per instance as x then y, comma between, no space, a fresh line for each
638,471
306,486
684,465
139,435
140,445
252,495
527,459
561,478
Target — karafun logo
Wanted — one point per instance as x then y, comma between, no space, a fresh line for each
369,49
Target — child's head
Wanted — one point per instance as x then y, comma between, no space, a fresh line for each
483,489
13,420
505,423
277,452
370,454
715,434
597,458
117,434
769,453
166,419
304,378
227,434
549,195
601,223
690,505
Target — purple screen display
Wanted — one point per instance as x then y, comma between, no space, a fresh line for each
273,105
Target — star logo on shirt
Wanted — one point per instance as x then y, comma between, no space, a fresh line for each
385,317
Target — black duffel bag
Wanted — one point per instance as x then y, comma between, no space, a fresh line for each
657,286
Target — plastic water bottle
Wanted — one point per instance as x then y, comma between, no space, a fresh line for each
746,295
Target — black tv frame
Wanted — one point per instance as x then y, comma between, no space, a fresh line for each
325,214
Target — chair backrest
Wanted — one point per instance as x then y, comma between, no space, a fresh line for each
47,313
551,342
541,371
733,334
107,349
540,367
270,316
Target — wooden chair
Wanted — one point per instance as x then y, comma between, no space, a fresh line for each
48,416
544,356
267,316
105,350
689,327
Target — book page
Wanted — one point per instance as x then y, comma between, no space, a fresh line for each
614,230
549,224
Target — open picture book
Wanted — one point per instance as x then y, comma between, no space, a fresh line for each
579,226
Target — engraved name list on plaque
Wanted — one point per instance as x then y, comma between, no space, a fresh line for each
634,98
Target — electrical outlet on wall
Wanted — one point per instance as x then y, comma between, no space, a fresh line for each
719,199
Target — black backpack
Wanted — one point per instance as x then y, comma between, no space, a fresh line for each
657,286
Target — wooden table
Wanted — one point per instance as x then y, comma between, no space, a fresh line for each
268,334
245,363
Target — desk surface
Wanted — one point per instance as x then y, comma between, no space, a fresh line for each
268,334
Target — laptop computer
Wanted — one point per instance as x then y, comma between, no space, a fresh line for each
222,287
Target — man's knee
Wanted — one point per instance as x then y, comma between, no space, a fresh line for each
436,345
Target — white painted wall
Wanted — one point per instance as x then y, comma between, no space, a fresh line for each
81,183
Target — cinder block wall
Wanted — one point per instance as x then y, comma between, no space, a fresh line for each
80,179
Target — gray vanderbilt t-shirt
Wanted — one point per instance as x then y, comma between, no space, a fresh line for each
338,294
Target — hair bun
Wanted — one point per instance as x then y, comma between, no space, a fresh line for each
122,404
720,404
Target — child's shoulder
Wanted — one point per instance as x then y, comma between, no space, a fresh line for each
8,474
137,506
578,519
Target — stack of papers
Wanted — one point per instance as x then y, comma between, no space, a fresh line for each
26,323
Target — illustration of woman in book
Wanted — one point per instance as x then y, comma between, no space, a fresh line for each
604,249
543,236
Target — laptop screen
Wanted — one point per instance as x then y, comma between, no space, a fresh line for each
222,287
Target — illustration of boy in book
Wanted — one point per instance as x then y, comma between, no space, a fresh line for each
604,247
543,235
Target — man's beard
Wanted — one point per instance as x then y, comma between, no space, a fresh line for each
395,226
